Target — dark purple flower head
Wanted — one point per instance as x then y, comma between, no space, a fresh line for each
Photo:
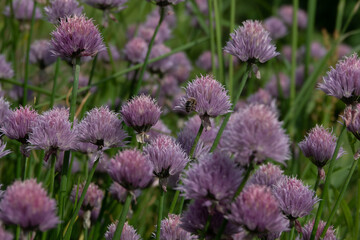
276,27
40,54
295,199
166,156
101,127
52,131
251,42
267,175
93,196
62,8
204,61
104,55
106,4
76,37
343,81
171,230
135,50
286,14
141,113
3,152
4,235
214,179
6,71
207,97
307,229
164,64
351,118
26,204
254,134
131,169
128,232
23,10
257,210
181,68
319,145
4,110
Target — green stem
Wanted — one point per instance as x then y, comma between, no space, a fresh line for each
62,193
52,174
317,181
160,215
19,164
309,33
81,200
340,197
30,87
76,71
227,117
85,234
197,138
324,194
339,16
231,62
26,78
212,36
17,233
352,14
181,205
57,67
206,228
199,16
92,69
122,218
27,167
218,41
292,233
221,229
14,41
174,201
243,182
142,71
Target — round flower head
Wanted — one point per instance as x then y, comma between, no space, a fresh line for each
343,81
6,71
171,230
62,8
141,113
263,96
166,156
251,42
23,10
4,110
267,175
343,50
214,179
295,199
135,50
276,27
128,232
181,68
101,127
254,134
130,169
205,62
52,131
40,54
4,235
258,211
164,64
93,196
106,4
76,37
351,118
286,14
207,97
26,204
3,152
146,31
307,229
104,55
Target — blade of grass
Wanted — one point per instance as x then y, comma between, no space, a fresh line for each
220,75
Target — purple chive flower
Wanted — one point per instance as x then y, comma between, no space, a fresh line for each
181,68
52,132
101,127
104,55
106,4
128,232
258,211
254,134
135,50
93,196
207,97
146,31
4,235
286,52
76,37
343,50
263,96
286,14
6,71
295,199
23,10
204,61
343,82
40,54
169,86
141,113
251,42
351,118
38,212
164,64
166,156
171,230
131,170
3,152
214,180
317,51
119,193
273,85
4,110
267,175
158,129
319,145
62,8
276,27
307,229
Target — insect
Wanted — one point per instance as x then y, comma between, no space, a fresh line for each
190,105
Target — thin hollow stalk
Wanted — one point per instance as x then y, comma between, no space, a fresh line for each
142,71
357,214
231,63
339,16
324,194
76,69
52,97
292,233
52,174
294,39
17,233
197,138
309,34
19,166
122,218
218,41
160,215
174,201
27,167
26,77
30,87
62,193
212,36
206,228
92,69
85,234
317,182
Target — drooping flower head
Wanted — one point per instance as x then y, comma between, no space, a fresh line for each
4,110
23,10
6,71
40,54
164,64
4,235
76,37
207,97
214,179
171,230
106,4
3,152
295,199
128,232
351,118
205,62
257,210
343,81
101,127
267,175
52,132
251,42
131,169
26,204
62,8
135,50
141,113
286,14
307,229
254,134
276,27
